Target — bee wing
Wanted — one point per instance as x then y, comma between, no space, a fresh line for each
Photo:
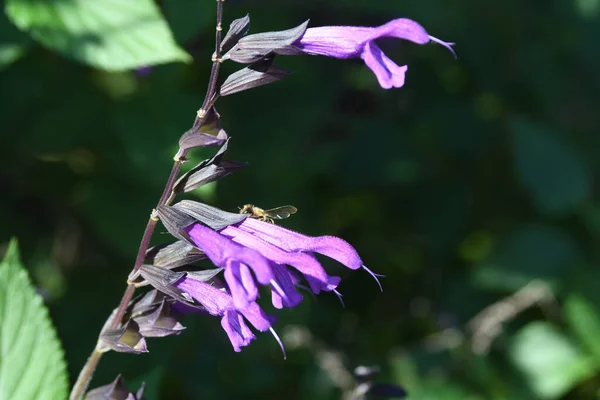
281,212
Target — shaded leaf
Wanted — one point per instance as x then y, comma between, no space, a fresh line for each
553,173
253,48
187,18
583,319
158,322
176,254
206,171
238,28
208,134
533,251
108,34
13,43
126,339
115,390
210,216
175,220
164,280
204,275
32,366
258,74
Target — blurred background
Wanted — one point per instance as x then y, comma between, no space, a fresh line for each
472,188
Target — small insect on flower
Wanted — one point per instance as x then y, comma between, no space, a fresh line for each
268,215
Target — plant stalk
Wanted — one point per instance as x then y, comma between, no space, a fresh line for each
85,375
87,372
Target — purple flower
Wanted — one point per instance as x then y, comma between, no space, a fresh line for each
256,251
353,41
220,303
243,266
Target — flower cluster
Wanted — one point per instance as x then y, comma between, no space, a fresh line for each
253,253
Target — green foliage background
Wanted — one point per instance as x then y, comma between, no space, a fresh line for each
472,182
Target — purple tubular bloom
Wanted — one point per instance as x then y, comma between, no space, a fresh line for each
285,281
295,249
237,261
353,42
290,241
255,251
219,303
305,263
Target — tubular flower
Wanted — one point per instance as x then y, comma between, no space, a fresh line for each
243,266
353,42
218,302
254,250
294,242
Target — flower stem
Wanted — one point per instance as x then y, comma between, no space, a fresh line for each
85,375
87,372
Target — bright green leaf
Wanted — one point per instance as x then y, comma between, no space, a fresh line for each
585,322
552,364
108,34
552,172
32,365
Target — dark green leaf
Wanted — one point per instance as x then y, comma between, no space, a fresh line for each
553,173
13,44
583,319
532,251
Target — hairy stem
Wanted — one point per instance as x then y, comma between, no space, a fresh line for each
85,375
87,372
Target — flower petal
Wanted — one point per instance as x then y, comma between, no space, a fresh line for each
238,332
307,264
402,28
218,302
243,292
388,73
214,300
334,41
257,317
290,297
219,249
291,241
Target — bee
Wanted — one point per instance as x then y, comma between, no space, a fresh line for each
268,215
